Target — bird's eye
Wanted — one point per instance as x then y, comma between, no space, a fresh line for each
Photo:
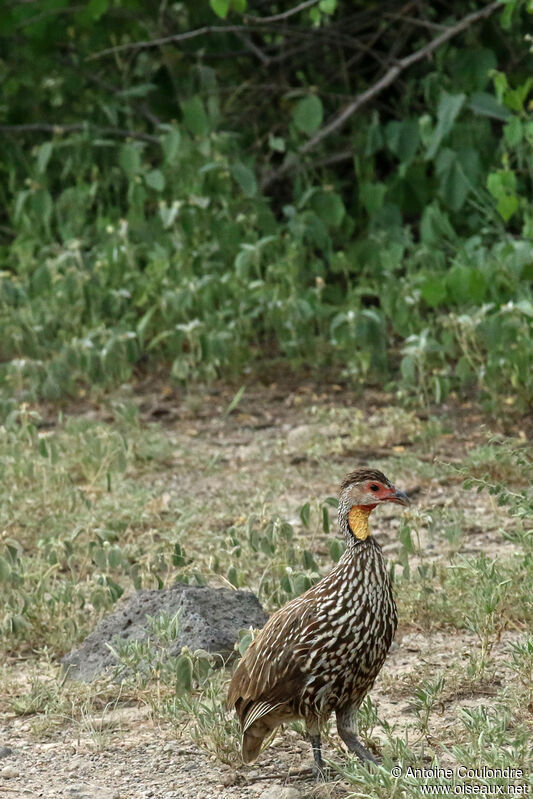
374,487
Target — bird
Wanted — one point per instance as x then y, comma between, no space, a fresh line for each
322,651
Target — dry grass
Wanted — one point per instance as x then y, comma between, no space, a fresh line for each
99,504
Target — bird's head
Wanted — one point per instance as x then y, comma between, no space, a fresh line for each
360,492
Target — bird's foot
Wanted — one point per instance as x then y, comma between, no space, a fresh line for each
321,772
354,745
364,754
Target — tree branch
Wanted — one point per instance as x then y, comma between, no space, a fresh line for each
326,34
389,77
285,15
43,127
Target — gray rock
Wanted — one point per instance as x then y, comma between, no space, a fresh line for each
9,773
210,619
5,751
88,792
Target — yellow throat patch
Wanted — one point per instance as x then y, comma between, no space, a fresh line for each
358,521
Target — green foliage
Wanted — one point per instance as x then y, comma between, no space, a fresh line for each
137,229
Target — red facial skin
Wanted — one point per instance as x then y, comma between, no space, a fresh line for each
385,494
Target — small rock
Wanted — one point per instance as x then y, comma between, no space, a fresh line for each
210,619
5,751
229,779
281,792
8,772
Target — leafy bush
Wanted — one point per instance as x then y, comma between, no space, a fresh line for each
163,216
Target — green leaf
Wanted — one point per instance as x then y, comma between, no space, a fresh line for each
42,204
325,519
433,291
500,83
329,207
472,66
507,206
220,7
454,186
305,513
155,180
465,284
245,177
308,114
235,401
487,105
406,540
506,19
336,549
435,226
96,8
45,151
244,642
449,107
184,673
130,159
513,131
178,556
403,138
372,196
308,561
515,98
114,557
276,143
140,90
408,369
171,145
195,116
232,575
501,182
238,5
5,570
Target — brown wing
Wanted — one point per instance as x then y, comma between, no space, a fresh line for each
271,670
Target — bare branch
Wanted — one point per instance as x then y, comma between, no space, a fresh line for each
176,37
323,33
58,130
264,59
285,15
52,12
389,77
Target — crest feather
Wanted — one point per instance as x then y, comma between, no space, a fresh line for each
362,475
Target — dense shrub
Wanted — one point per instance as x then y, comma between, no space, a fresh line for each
164,204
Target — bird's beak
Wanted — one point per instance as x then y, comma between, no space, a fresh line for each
399,497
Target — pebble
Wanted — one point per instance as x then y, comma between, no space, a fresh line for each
8,772
229,779
5,751
281,792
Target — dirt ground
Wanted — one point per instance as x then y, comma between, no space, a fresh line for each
284,445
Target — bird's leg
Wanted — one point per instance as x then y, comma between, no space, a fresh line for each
347,729
319,767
